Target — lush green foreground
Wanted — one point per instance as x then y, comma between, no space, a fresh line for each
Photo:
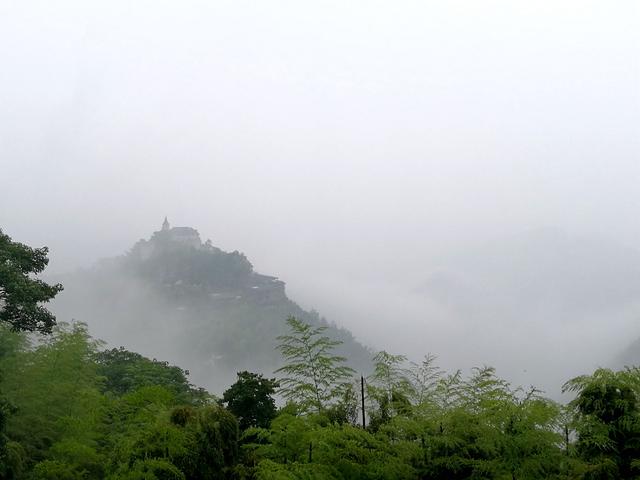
74,411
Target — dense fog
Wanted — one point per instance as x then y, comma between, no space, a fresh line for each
459,178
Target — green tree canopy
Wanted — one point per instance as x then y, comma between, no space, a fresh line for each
125,371
250,399
608,422
21,295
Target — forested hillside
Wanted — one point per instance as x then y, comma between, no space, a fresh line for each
175,297
71,409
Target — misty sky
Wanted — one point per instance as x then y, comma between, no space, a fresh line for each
343,146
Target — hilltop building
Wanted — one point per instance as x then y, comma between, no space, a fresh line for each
184,235
227,276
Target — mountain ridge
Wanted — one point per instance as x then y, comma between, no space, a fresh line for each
175,297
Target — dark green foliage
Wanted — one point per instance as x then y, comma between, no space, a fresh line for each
216,444
64,426
608,422
67,425
152,469
199,442
21,296
126,371
250,399
21,308
13,461
299,447
12,455
55,470
180,416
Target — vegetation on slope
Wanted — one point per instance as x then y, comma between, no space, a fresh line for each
194,304
71,410
77,412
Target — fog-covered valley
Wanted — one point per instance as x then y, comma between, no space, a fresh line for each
540,306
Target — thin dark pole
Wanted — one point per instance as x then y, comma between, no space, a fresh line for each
364,425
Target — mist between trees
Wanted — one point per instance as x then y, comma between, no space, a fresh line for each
71,409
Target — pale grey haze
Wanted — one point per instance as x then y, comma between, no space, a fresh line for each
449,177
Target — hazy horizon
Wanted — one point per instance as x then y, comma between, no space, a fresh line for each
355,150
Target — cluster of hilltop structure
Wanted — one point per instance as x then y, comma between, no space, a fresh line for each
166,236
184,235
177,256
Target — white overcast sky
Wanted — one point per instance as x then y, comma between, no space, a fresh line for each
327,140
313,124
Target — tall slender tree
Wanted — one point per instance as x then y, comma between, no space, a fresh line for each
314,376
21,299
389,387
